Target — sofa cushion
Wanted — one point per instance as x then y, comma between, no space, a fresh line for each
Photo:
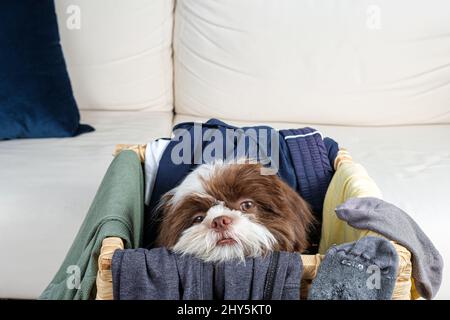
36,99
118,53
46,187
332,62
411,166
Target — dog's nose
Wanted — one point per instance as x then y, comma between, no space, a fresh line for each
221,222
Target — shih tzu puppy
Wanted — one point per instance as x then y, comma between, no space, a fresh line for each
230,211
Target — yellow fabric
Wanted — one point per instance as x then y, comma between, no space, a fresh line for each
350,180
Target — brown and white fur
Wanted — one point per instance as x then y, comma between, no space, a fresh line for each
230,211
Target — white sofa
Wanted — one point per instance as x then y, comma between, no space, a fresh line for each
374,75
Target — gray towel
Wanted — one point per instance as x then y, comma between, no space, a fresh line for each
159,274
388,220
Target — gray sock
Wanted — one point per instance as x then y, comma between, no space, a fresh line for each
362,270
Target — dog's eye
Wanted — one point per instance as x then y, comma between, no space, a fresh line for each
246,205
198,219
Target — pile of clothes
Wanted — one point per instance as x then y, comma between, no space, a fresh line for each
354,227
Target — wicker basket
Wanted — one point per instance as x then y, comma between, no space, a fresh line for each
311,263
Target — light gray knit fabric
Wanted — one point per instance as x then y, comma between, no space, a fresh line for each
362,270
388,220
159,274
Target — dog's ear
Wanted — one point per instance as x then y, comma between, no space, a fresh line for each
166,238
302,210
291,219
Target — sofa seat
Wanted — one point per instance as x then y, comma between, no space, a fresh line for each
46,187
411,165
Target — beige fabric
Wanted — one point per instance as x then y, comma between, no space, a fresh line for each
331,61
120,57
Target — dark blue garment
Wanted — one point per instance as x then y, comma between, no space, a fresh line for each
332,149
171,174
36,99
313,158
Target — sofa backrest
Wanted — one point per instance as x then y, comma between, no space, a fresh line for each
118,52
346,62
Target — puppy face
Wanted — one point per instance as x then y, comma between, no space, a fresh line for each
230,211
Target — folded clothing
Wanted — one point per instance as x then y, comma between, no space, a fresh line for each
159,274
393,223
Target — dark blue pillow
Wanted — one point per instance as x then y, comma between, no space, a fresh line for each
36,99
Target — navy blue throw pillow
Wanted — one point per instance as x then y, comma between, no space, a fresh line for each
36,99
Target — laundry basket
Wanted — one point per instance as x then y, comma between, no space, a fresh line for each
403,289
